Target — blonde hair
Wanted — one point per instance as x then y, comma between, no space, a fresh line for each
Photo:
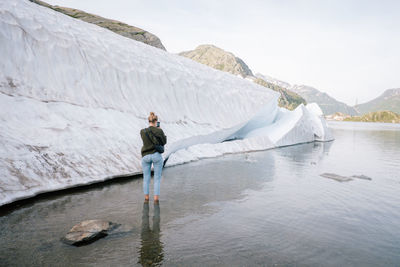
153,117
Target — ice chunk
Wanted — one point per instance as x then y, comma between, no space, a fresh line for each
74,96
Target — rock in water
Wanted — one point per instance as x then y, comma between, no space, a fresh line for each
87,232
341,178
336,177
362,176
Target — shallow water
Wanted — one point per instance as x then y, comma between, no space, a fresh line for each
261,208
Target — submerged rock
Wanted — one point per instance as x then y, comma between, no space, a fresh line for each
362,176
87,232
336,177
341,178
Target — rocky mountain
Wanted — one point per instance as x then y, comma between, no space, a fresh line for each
113,25
220,59
377,116
328,104
389,100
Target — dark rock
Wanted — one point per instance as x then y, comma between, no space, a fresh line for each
87,232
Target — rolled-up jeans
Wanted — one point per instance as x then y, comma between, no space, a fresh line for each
157,161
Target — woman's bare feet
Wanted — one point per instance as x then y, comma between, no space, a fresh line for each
156,198
146,198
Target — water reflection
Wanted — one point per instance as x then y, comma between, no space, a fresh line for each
302,160
306,153
151,251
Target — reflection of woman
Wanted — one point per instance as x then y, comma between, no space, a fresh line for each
151,251
151,156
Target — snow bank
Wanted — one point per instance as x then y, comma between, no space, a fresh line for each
74,96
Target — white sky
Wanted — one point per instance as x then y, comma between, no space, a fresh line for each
349,49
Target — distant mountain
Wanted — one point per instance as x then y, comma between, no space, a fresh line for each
389,100
377,116
113,25
220,59
328,104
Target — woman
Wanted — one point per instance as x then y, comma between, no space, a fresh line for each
151,136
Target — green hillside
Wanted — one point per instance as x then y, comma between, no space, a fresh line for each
377,116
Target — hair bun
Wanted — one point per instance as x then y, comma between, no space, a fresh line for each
153,117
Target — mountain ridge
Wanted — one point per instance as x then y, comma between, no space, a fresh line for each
328,104
116,26
388,100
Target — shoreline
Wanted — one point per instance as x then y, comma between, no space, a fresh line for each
24,201
328,120
361,125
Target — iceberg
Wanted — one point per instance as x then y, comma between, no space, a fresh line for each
74,96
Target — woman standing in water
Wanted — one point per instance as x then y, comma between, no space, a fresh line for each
151,137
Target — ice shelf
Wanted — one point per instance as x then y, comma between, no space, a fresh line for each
74,96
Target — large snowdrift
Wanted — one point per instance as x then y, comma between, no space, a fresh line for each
74,96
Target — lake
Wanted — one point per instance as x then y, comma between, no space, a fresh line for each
260,208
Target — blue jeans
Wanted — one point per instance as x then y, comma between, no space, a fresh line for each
157,160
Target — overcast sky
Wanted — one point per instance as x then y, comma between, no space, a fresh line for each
349,49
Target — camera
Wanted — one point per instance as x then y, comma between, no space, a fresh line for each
158,124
